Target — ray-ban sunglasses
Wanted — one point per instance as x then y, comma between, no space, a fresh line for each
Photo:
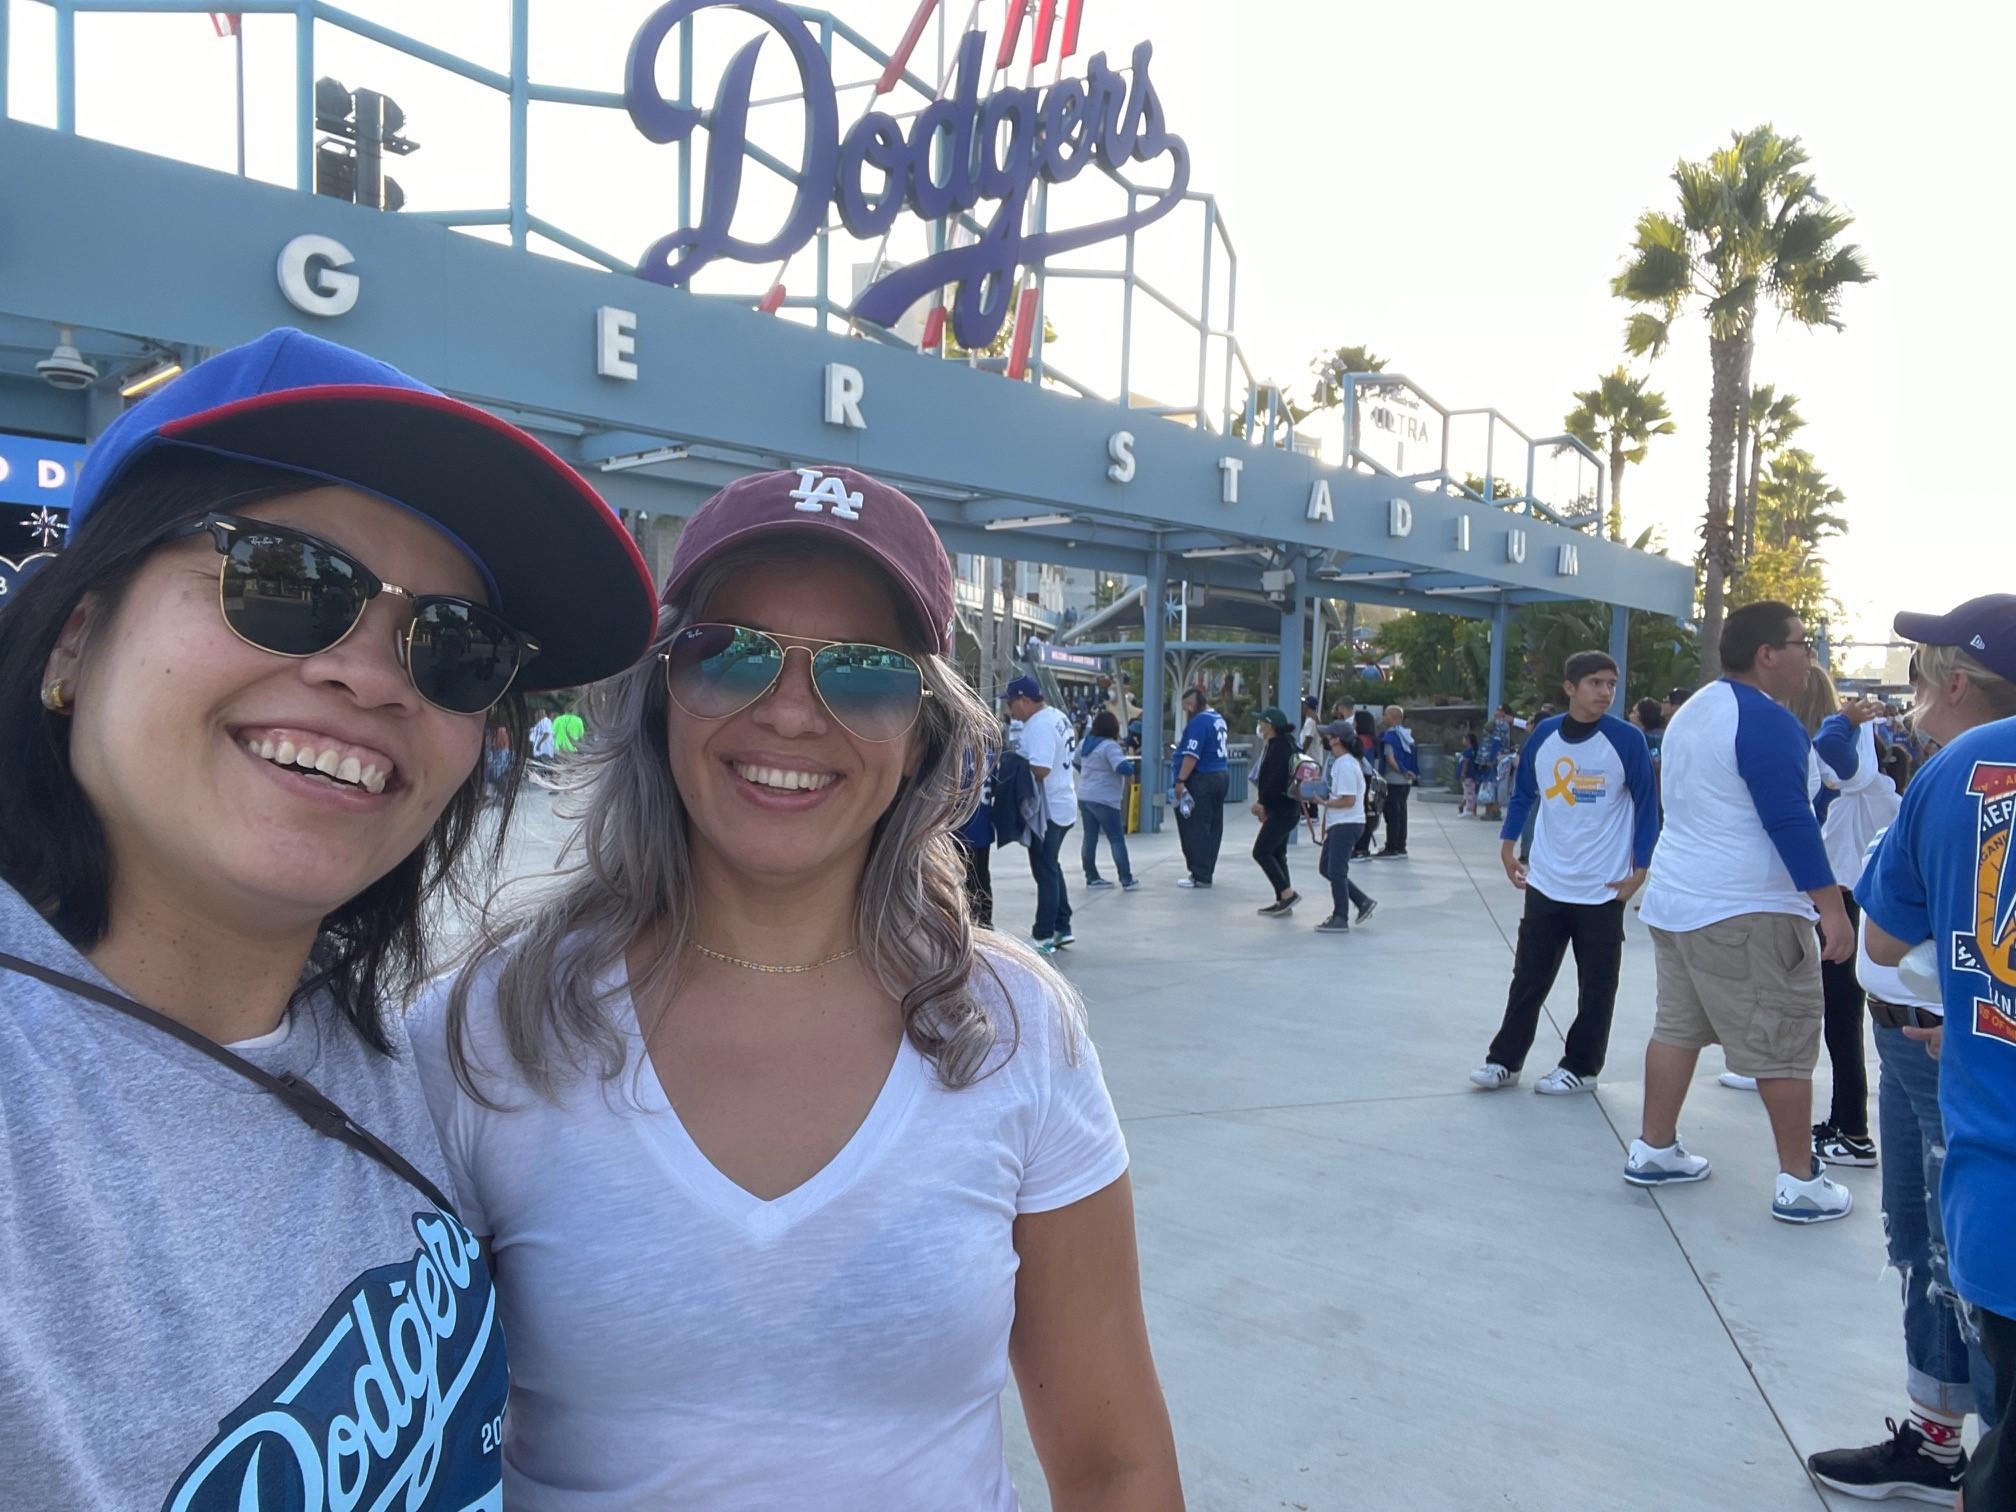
295,595
713,671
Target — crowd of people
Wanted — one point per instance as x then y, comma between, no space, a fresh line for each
758,1073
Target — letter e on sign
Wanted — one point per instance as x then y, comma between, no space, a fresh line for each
1399,517
844,388
615,343
1120,452
311,276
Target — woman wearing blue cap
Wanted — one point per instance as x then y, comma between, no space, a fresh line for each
786,1165
243,715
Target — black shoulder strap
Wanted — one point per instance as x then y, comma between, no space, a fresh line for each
315,1110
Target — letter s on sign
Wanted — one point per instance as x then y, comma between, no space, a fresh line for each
1120,448
318,290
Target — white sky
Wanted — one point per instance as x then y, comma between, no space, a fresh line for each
1452,184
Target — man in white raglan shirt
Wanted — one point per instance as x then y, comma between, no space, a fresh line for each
1740,877
1044,741
1589,775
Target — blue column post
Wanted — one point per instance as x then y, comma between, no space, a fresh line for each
1620,646
1154,706
1501,624
521,97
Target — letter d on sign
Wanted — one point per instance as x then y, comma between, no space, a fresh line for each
1399,517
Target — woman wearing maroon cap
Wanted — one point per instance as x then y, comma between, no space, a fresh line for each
785,1163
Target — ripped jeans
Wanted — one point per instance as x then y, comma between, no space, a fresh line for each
1942,1352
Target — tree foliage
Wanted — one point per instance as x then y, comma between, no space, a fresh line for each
1617,420
1750,225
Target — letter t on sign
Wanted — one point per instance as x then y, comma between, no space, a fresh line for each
615,343
1229,469
844,388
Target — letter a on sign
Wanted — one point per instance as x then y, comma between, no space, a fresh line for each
1319,501
815,491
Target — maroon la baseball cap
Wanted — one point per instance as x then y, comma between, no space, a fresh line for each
836,504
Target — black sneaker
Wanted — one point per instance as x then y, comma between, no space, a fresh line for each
1904,1467
1365,909
1335,924
1833,1147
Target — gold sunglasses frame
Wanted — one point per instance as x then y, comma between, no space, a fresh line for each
222,528
811,646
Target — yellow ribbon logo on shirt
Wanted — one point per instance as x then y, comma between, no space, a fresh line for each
1564,774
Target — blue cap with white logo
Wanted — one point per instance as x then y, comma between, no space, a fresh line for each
561,566
1985,628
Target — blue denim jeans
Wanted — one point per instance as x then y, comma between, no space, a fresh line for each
1338,842
1105,819
1945,1366
1053,900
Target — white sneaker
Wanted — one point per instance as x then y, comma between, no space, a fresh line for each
1645,1166
1815,1200
1491,1076
1561,1082
1190,882
1737,1083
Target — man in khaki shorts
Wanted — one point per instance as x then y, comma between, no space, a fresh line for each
1738,880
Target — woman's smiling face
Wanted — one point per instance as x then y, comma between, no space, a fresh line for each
188,741
782,790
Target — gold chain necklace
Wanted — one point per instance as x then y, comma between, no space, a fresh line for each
718,955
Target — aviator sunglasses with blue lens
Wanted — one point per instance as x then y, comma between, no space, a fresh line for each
714,671
295,595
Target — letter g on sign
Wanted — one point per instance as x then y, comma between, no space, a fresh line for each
311,277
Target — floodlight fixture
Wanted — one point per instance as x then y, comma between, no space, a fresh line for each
1031,522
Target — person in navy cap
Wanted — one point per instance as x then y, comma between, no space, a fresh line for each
1940,886
785,1163
244,714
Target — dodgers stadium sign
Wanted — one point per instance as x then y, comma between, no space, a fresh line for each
958,152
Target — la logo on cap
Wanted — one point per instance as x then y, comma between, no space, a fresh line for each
1978,644
813,498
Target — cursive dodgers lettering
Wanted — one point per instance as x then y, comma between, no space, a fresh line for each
960,150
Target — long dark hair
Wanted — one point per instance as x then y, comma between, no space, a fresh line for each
371,952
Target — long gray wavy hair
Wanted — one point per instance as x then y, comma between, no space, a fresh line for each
628,870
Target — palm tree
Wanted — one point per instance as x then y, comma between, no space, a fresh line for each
1618,418
1797,505
1774,420
1750,224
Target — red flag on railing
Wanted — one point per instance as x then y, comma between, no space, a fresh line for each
226,22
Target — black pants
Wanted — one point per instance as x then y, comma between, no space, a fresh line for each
1844,999
1053,897
1204,831
1396,817
1271,848
1370,832
1546,930
1991,1474
979,883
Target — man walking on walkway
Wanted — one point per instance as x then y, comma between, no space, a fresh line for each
1201,783
1740,876
1045,743
1401,766
1590,776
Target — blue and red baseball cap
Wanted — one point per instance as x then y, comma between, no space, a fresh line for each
560,565
1984,627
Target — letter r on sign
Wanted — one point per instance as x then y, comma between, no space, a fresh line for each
844,388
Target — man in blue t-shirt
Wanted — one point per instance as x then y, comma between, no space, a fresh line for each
1589,778
1945,873
1201,782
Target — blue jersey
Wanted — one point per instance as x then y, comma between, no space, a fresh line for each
1946,871
1205,738
1599,812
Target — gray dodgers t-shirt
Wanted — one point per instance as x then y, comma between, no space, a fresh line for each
203,1303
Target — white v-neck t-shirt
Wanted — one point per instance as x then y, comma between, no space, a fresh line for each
677,1342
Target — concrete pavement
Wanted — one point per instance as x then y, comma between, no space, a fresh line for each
1370,1286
